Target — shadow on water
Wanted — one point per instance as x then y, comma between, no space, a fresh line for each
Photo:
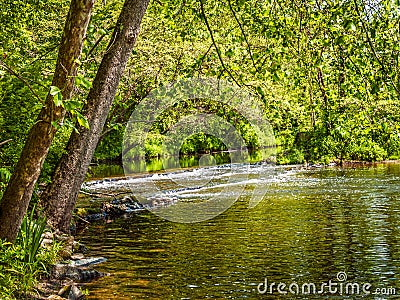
311,225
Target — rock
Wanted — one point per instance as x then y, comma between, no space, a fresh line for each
48,235
59,271
46,242
68,245
158,202
75,293
64,291
114,209
66,271
122,206
48,238
64,237
77,270
96,217
89,275
77,256
85,262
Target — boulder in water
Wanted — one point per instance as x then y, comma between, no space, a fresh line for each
122,206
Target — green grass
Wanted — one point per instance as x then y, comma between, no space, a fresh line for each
24,262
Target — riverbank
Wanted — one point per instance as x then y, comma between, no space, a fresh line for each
67,276
56,268
24,264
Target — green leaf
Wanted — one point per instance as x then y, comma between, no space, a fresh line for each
229,53
260,91
82,120
352,27
340,40
54,90
55,124
349,24
58,99
118,98
81,81
72,105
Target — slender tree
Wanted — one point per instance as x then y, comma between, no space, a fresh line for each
19,191
60,197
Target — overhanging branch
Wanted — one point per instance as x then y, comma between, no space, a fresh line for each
12,72
215,44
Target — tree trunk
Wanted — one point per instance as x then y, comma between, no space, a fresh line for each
60,197
19,191
326,101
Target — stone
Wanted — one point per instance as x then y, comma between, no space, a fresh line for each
46,242
75,293
85,262
48,235
80,248
77,256
77,270
68,244
64,291
122,206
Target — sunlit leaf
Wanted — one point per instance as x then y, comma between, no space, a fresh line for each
82,120
54,90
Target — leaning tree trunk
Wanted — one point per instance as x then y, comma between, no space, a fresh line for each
60,197
19,191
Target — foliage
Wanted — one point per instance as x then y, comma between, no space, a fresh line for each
327,72
22,263
312,63
5,176
290,156
30,235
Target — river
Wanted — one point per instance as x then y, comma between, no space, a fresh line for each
322,233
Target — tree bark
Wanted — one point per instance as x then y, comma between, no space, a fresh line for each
321,83
19,191
60,197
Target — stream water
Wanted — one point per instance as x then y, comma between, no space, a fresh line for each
335,229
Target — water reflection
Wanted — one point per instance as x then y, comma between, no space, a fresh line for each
311,225
188,161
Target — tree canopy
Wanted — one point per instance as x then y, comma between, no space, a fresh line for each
327,72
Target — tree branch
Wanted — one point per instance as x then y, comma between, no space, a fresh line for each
243,33
200,61
215,44
5,142
12,72
98,42
371,45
